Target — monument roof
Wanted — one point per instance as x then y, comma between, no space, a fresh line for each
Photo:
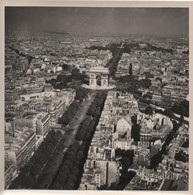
99,69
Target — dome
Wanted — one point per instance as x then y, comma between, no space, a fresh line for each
123,126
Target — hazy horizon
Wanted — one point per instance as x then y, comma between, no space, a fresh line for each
116,21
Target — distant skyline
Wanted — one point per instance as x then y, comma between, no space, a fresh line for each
119,21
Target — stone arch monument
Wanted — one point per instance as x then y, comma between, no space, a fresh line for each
99,71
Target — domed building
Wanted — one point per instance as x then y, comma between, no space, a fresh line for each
122,137
124,125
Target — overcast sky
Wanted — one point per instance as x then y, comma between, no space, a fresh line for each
145,21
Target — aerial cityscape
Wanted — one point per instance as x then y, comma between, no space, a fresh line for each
96,98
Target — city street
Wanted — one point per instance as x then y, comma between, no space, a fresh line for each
50,169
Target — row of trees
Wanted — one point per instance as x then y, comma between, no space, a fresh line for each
149,110
62,80
117,53
29,173
113,63
81,93
130,69
126,161
135,85
69,174
97,104
74,106
168,112
181,156
84,129
181,108
69,114
154,48
144,83
127,79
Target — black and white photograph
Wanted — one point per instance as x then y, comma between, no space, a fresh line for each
96,98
